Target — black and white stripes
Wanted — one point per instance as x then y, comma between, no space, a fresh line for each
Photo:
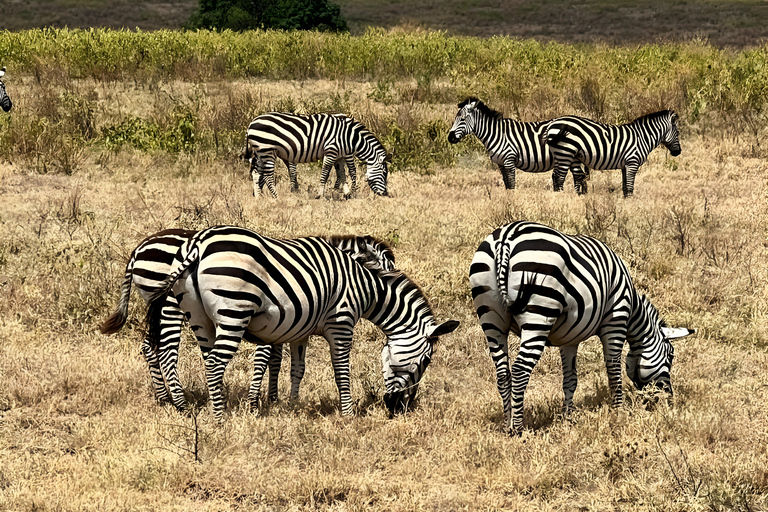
234,284
150,264
549,288
576,140
297,139
511,144
5,100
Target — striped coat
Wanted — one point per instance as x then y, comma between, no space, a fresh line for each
553,289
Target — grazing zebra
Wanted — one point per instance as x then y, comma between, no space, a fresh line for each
234,284
576,140
5,101
369,251
553,289
151,263
511,144
297,139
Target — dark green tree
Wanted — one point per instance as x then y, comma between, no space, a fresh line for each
280,14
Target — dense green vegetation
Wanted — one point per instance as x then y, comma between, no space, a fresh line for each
726,90
280,14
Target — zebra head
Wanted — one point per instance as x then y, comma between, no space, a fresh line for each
671,135
650,360
376,173
464,122
405,358
5,101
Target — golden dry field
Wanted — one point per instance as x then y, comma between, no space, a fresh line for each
80,430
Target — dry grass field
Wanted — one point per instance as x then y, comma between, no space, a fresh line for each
80,430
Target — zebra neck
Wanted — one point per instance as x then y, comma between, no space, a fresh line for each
647,136
365,145
642,330
399,305
487,128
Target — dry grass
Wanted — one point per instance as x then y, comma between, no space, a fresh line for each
79,429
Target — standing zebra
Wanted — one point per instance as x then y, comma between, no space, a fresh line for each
576,140
151,263
5,101
510,144
298,139
234,284
554,289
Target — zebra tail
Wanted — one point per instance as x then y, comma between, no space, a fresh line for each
501,257
156,300
116,321
552,140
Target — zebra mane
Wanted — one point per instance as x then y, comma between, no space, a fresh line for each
482,107
654,115
335,239
653,313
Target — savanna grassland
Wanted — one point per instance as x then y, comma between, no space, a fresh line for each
116,135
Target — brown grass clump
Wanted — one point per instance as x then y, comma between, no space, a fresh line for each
79,429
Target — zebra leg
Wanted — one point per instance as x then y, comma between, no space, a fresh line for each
340,342
298,353
258,180
275,362
350,161
329,160
155,372
628,173
579,178
341,176
171,320
227,341
613,343
268,175
292,176
570,378
508,174
532,344
559,173
261,356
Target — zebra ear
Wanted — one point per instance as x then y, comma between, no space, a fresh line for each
444,328
672,333
675,117
2,72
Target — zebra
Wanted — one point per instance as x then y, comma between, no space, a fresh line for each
150,264
234,285
511,144
369,251
5,100
555,289
575,140
299,139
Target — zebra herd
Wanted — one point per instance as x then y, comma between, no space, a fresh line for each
548,288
